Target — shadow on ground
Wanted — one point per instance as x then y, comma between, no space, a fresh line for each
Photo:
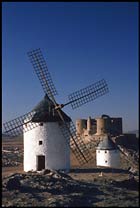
98,170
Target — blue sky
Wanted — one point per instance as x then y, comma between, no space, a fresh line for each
82,43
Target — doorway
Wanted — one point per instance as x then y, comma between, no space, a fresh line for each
40,162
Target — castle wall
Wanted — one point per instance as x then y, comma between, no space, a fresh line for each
99,126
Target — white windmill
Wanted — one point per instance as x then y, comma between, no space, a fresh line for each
45,144
107,153
48,132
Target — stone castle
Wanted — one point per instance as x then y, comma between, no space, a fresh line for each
92,130
99,126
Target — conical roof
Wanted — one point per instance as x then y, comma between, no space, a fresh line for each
44,112
106,144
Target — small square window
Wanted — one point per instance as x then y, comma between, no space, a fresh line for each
105,161
41,124
105,151
40,142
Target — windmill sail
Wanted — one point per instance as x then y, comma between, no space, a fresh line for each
77,145
42,72
20,124
88,94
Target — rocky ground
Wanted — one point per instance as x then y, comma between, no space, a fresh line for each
12,156
87,186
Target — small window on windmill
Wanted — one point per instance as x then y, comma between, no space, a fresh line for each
41,124
105,161
105,151
40,142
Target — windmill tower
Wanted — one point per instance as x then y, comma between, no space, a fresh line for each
107,153
45,146
48,132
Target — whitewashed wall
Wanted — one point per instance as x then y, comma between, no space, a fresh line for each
54,147
108,158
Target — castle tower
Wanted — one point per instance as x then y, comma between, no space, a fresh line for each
103,125
89,128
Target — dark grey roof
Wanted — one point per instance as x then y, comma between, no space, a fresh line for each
44,112
106,144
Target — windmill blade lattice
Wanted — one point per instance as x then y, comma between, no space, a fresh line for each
88,94
42,72
77,145
19,125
